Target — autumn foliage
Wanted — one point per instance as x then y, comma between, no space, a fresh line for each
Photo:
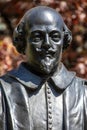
9,57
75,16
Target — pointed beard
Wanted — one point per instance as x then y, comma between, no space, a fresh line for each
47,65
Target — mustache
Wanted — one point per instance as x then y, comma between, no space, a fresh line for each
48,51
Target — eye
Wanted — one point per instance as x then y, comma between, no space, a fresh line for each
36,36
55,36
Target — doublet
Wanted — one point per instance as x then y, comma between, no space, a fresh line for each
31,102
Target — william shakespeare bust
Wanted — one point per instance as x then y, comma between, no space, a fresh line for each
42,94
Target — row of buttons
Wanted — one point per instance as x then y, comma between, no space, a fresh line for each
49,103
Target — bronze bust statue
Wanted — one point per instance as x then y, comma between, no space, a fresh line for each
42,94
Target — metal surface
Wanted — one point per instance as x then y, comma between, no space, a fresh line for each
42,94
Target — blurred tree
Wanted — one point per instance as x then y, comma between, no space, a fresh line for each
75,16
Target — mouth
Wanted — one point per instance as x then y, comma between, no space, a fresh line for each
50,54
47,53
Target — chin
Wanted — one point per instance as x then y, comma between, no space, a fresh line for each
46,70
48,66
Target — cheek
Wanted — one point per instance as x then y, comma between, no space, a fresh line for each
59,51
59,47
36,45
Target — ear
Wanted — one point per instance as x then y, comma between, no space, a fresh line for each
67,37
19,40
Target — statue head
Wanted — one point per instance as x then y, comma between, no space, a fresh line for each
42,36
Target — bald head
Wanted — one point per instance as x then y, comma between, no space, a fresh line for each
43,15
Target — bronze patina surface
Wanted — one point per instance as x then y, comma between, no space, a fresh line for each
42,94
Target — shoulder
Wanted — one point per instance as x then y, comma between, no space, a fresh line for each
82,85
85,86
6,83
81,81
5,79
78,86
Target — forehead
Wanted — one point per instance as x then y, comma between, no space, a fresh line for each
44,19
45,28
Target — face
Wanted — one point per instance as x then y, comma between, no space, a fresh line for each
44,46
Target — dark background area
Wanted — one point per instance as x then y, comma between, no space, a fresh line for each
75,16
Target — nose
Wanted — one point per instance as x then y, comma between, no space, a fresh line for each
46,43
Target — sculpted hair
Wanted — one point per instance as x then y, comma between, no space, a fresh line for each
19,35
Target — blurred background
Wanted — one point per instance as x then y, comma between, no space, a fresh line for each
74,13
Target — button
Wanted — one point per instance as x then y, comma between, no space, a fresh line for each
50,105
50,116
49,101
50,123
50,111
48,91
48,87
49,126
49,96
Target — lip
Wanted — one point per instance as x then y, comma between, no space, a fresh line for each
46,53
49,53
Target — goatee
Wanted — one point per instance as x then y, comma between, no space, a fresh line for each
47,65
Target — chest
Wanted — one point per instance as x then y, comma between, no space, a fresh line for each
52,111
46,109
